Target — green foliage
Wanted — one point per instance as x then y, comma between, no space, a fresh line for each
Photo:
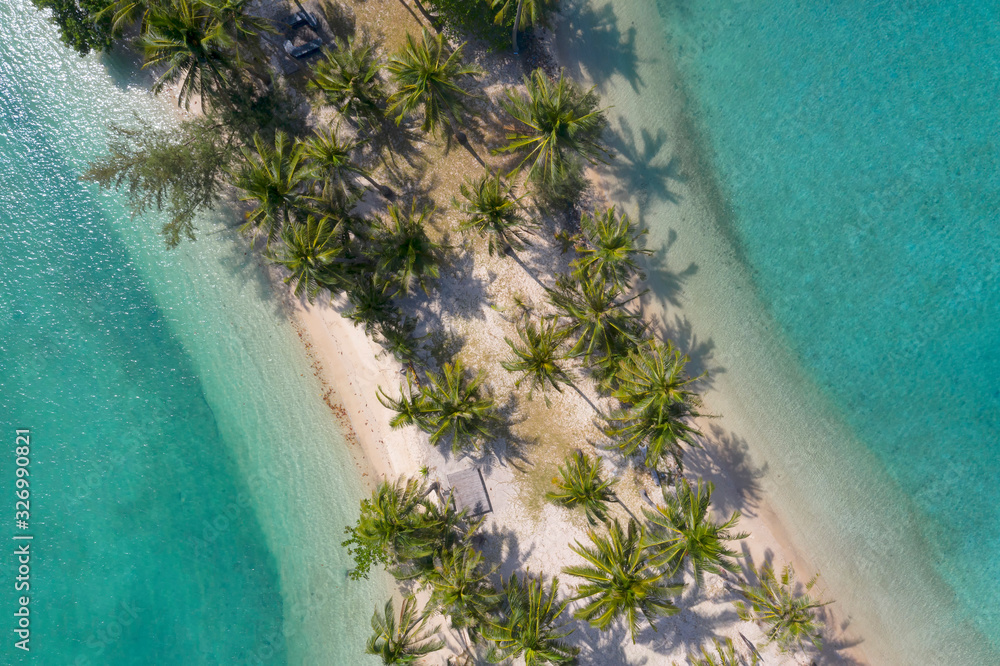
680,531
533,12
461,588
405,256
657,403
558,125
403,641
602,326
610,245
179,171
619,582
581,485
329,159
474,17
450,407
397,524
528,625
789,617
188,38
492,210
274,178
348,78
309,251
538,354
81,27
430,76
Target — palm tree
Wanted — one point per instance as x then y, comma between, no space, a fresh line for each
788,616
348,77
619,581
725,655
273,178
656,402
450,406
533,12
537,357
124,13
492,210
460,412
330,158
403,641
309,251
242,26
528,625
187,38
581,485
411,407
596,316
680,531
429,76
406,256
558,121
611,246
396,524
461,588
371,304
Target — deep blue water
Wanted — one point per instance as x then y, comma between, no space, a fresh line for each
856,146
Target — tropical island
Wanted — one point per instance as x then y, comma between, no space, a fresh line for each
414,178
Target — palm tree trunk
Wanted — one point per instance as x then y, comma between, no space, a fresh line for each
517,24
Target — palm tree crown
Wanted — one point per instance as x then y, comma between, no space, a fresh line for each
533,12
559,121
397,523
491,210
599,320
680,531
309,251
619,581
348,76
461,588
330,159
403,641
538,354
657,403
529,626
188,38
788,616
611,246
274,179
581,485
406,255
449,407
428,75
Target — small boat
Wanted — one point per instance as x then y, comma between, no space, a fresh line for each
301,18
307,49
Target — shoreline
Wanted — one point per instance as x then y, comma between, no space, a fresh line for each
348,362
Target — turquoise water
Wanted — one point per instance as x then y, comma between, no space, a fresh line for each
189,486
856,143
820,181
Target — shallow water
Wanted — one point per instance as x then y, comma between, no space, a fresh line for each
824,178
189,486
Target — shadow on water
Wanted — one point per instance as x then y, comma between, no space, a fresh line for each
603,49
725,461
640,169
124,68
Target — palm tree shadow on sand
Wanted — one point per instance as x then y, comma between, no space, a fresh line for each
601,47
837,640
